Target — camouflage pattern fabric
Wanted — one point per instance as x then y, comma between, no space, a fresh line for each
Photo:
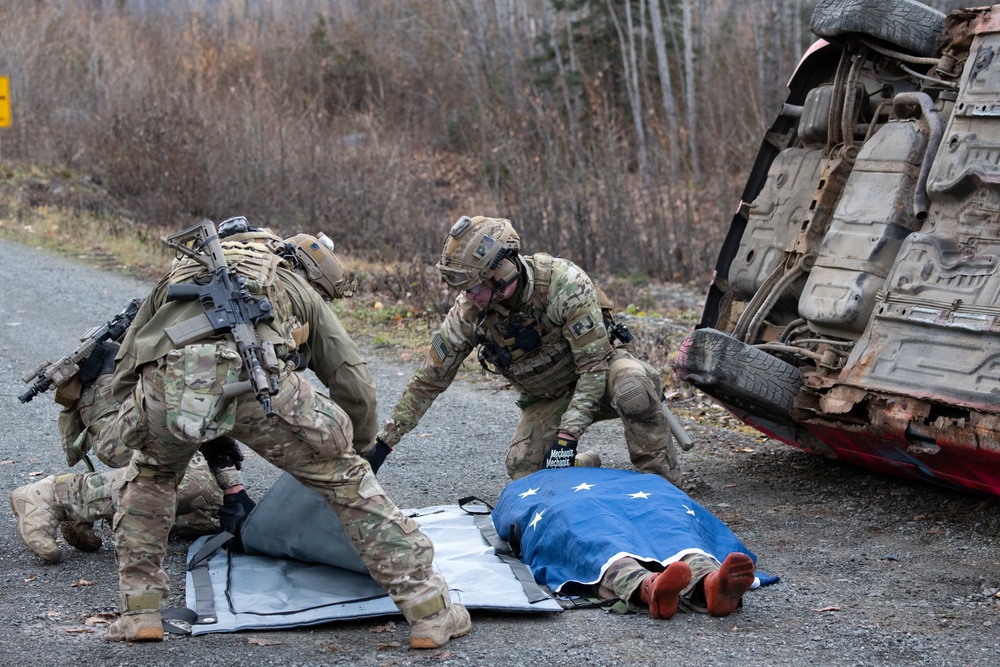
570,324
624,576
310,436
83,495
192,389
647,433
333,356
93,496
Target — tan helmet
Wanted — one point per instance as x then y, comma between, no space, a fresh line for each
479,251
313,258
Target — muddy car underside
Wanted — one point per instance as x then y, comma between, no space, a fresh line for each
855,309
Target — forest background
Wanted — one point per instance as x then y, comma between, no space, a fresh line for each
617,133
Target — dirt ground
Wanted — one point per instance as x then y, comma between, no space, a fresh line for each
874,570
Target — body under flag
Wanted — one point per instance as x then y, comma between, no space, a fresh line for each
574,522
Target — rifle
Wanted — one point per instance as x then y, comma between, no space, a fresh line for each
229,308
48,374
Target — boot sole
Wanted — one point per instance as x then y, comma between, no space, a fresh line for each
666,590
733,579
144,635
428,643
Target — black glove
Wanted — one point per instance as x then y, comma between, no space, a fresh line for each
235,509
376,455
222,452
561,454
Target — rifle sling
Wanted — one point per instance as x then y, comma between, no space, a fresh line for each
190,330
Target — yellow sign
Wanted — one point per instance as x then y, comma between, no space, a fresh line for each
4,102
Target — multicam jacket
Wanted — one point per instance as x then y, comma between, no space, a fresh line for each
547,340
303,321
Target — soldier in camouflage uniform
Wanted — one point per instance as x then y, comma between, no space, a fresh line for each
538,321
173,400
73,502
206,493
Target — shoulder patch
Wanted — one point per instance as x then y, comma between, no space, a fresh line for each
582,326
437,343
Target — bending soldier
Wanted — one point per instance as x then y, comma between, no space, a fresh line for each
210,492
175,396
537,320
73,502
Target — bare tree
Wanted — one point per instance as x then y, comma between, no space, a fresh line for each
666,86
692,103
627,42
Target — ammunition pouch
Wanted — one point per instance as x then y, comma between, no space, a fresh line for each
193,390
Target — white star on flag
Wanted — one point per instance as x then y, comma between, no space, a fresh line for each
529,492
583,487
538,517
641,494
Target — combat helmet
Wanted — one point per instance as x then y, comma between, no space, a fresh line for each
313,258
480,251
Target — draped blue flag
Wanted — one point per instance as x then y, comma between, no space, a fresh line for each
574,522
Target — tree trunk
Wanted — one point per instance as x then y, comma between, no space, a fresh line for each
666,86
692,114
632,83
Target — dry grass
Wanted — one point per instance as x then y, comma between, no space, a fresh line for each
384,124
398,306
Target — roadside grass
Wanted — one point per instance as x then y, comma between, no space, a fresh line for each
396,308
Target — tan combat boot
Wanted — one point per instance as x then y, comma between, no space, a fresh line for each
38,517
136,626
140,622
587,459
81,535
435,630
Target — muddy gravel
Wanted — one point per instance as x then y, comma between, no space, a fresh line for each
874,570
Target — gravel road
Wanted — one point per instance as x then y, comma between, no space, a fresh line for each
875,570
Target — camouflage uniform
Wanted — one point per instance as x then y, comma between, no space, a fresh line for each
178,393
549,340
88,497
624,576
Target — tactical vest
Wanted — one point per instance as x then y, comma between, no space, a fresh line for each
254,259
524,346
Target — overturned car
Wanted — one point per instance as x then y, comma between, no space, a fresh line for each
855,308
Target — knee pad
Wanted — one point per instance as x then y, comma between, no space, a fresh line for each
633,395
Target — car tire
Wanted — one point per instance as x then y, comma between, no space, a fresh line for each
907,24
739,374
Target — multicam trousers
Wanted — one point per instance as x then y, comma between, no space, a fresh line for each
309,437
92,496
624,576
633,393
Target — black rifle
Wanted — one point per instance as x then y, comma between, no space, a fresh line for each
229,308
48,374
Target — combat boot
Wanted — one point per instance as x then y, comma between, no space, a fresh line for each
140,621
660,591
81,535
137,626
435,630
38,517
587,459
725,587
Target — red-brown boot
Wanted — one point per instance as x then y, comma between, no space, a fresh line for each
725,587
660,591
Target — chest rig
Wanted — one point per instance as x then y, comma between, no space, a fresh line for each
523,345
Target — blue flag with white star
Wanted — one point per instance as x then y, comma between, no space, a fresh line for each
574,522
